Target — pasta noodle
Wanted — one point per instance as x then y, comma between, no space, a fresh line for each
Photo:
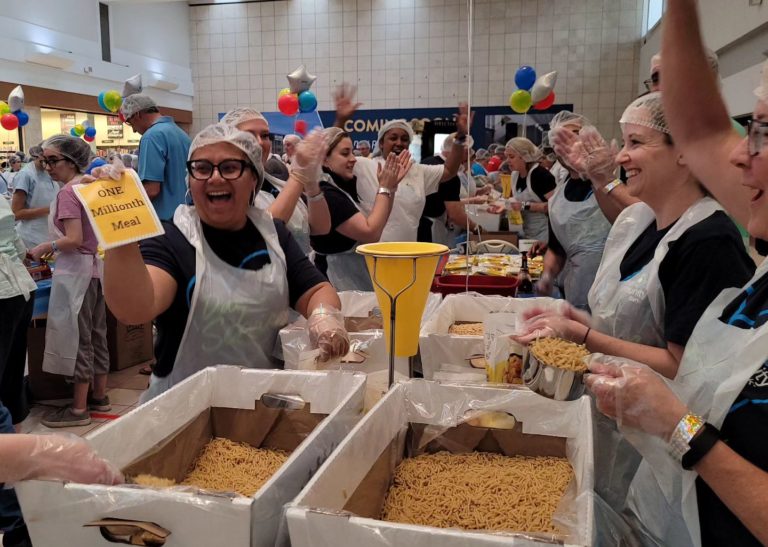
560,353
478,491
151,480
227,466
466,329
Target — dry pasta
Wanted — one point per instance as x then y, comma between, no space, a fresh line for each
151,480
560,353
227,466
478,491
466,329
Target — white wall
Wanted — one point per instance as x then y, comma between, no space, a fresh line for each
71,29
413,53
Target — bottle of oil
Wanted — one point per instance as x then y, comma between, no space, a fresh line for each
524,282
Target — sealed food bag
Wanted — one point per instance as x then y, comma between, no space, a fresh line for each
503,356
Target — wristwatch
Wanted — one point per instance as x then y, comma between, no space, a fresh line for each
54,247
684,431
608,188
385,191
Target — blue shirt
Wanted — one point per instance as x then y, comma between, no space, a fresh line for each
163,152
478,170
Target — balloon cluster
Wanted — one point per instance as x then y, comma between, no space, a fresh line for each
297,97
110,100
532,91
84,129
11,113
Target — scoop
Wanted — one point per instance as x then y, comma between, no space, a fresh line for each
551,381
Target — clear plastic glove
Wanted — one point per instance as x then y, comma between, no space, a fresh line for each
307,163
539,248
634,395
344,99
327,332
112,170
601,156
544,285
394,170
65,457
563,321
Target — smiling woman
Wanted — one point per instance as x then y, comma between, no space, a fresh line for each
221,279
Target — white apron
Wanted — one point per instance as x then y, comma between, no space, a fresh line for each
235,314
581,228
719,360
347,270
298,224
535,225
72,274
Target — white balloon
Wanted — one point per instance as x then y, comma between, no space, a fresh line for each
543,86
86,123
132,85
16,99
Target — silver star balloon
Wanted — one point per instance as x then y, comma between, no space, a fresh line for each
132,85
300,80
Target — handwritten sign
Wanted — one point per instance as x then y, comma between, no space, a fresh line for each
119,210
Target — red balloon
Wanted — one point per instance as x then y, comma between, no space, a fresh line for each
493,164
288,104
88,139
545,103
120,115
9,122
300,127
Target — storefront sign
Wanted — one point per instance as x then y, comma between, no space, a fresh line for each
119,211
115,132
67,122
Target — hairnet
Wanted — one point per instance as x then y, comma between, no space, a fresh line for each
761,91
524,148
127,159
481,154
133,104
291,138
14,159
75,150
646,111
566,117
494,148
396,124
241,115
334,136
712,60
36,151
244,141
360,144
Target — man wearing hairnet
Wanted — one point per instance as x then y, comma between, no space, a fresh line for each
222,279
32,196
364,147
163,150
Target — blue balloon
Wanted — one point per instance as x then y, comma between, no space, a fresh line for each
101,102
90,132
72,132
307,101
23,117
525,77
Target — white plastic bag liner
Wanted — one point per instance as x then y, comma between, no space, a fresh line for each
438,348
317,517
369,347
54,510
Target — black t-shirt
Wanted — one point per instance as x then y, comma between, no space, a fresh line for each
434,206
245,248
575,190
542,183
761,246
341,210
709,257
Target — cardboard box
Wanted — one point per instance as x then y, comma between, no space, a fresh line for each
129,345
340,506
162,437
43,385
442,351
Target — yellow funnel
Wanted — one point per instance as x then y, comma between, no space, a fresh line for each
402,271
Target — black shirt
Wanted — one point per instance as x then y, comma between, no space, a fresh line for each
341,210
542,183
245,248
761,246
434,206
707,258
575,190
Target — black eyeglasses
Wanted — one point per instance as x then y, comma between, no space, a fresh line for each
652,81
756,132
50,162
228,169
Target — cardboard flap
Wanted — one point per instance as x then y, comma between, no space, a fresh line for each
130,532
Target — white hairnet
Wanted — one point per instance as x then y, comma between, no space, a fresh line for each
36,151
396,124
566,117
360,144
524,148
127,159
761,91
646,111
76,150
334,136
494,148
241,115
481,154
244,141
292,138
133,104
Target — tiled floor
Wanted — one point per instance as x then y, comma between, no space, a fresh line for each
123,388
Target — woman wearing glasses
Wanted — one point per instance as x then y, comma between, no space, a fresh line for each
76,333
221,280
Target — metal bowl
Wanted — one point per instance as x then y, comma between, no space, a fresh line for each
550,381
